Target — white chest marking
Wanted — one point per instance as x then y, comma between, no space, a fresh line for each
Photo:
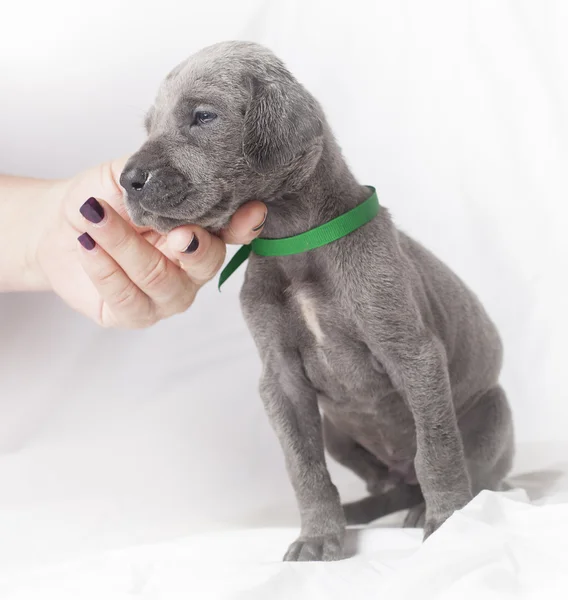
308,308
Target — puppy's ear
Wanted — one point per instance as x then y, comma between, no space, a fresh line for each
281,123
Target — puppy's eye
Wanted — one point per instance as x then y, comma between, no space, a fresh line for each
202,116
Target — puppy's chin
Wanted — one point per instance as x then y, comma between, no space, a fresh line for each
164,224
149,220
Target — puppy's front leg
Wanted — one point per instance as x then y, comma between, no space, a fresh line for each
292,408
420,368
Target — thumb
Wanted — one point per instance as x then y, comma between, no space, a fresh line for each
199,253
111,190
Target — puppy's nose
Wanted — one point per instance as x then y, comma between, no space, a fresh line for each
133,179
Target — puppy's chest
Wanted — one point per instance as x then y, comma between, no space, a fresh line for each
336,359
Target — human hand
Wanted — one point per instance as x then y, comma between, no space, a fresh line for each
95,259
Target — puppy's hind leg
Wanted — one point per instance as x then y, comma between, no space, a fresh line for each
400,497
488,440
416,516
347,452
388,494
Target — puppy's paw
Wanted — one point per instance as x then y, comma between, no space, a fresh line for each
438,515
328,547
433,523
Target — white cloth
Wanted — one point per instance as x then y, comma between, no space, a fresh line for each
146,456
499,546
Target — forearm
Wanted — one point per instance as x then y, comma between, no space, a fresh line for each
22,208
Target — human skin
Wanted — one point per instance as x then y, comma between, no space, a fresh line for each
116,274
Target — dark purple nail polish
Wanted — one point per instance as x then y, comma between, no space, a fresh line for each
193,245
86,241
261,225
92,211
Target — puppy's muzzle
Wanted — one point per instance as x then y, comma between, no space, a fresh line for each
151,182
141,168
134,179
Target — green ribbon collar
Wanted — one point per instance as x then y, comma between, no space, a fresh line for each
314,238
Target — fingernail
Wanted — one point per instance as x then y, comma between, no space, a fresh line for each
92,211
193,245
86,241
261,225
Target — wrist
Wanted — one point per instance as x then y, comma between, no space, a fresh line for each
26,206
42,218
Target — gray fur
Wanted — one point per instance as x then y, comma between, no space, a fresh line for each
371,335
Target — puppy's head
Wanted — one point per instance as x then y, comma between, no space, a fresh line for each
230,124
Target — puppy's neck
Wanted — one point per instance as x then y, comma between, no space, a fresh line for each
330,191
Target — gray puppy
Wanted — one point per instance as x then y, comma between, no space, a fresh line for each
370,345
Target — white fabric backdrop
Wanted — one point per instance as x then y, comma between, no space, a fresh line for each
456,111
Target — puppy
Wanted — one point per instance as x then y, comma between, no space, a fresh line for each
371,347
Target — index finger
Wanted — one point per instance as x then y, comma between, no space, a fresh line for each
146,266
